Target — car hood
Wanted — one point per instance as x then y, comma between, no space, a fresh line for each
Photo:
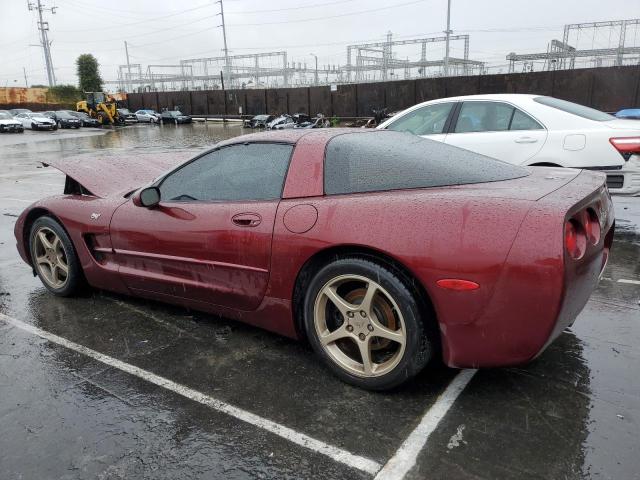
105,175
9,121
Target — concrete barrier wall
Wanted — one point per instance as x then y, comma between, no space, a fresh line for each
608,89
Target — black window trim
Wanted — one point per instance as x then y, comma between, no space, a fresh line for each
159,181
454,122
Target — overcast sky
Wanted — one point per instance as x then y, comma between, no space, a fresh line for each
165,31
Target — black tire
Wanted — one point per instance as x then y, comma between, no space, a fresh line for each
75,282
420,341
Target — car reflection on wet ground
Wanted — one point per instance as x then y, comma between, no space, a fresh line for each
572,413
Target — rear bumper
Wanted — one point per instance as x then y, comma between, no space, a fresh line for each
625,181
539,292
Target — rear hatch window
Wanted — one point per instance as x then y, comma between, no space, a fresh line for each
387,160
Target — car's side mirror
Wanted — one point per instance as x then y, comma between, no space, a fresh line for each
148,197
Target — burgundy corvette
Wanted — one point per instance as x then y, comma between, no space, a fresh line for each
382,249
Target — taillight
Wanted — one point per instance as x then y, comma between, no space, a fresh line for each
591,224
575,239
627,146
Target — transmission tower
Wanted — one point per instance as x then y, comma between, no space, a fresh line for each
44,38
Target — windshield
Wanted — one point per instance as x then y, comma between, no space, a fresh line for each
575,109
63,115
5,116
124,110
176,113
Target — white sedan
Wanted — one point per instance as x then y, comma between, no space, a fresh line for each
149,116
36,121
532,130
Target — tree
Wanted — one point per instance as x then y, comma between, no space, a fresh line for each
90,80
65,93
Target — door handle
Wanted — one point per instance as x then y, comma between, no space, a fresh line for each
526,140
247,219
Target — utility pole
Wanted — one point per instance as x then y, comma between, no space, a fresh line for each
26,82
224,38
129,84
44,38
448,34
316,74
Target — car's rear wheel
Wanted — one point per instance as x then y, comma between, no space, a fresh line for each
54,258
366,324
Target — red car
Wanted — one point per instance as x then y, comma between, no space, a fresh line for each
380,248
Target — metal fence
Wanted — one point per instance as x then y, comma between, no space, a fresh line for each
608,89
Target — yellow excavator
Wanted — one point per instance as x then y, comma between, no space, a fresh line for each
101,106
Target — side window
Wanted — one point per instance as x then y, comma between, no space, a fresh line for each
240,172
522,121
428,120
484,117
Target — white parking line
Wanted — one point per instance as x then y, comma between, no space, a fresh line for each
632,282
405,457
335,453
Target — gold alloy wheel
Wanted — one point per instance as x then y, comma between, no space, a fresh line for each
50,258
366,338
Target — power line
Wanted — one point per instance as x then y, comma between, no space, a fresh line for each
325,4
151,32
93,6
142,21
388,7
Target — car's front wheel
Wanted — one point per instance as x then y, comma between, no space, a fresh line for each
367,324
54,258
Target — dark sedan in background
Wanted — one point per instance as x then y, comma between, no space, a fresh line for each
175,116
64,119
85,119
126,116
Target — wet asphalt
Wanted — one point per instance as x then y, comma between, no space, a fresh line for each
572,413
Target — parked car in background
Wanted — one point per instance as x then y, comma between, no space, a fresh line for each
629,113
147,116
36,121
16,111
49,114
281,122
532,130
9,124
476,262
85,119
259,121
126,116
175,116
66,120
320,121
